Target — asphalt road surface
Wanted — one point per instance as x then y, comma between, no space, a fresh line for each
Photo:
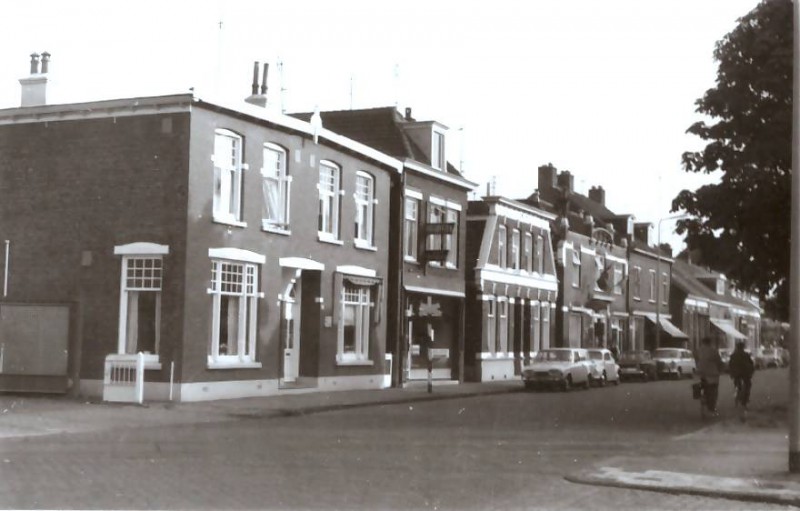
498,452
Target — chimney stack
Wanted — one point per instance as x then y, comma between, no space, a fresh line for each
598,195
34,87
264,80
547,177
408,114
567,181
255,98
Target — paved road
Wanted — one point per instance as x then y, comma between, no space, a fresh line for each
488,453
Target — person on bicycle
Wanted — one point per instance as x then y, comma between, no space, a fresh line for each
709,364
741,368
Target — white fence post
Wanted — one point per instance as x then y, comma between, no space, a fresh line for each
140,377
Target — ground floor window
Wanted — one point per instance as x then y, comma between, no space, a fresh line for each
354,329
501,345
234,307
536,326
575,328
140,297
545,324
491,323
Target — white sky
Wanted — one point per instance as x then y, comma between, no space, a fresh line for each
605,89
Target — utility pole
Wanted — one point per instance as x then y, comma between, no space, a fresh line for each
794,271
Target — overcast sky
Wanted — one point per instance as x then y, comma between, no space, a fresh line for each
605,89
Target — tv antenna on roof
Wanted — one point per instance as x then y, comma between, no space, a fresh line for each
281,85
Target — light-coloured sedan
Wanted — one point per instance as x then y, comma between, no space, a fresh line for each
606,368
562,368
675,362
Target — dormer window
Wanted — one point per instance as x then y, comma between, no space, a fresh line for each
720,287
437,151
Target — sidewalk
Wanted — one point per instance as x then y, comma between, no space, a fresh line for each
727,459
25,415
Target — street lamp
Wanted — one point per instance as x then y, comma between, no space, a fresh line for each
659,282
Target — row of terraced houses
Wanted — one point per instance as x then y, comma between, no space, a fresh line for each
233,250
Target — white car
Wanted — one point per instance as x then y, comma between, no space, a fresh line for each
606,368
562,368
675,362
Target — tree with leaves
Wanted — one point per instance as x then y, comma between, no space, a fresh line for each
740,226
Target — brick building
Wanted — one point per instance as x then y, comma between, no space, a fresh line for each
511,286
244,252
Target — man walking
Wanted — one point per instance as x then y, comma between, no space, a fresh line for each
709,365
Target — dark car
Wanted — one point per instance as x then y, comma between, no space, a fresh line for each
637,364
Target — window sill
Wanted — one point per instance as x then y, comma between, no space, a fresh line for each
275,230
326,238
224,364
447,266
408,259
353,362
227,221
362,245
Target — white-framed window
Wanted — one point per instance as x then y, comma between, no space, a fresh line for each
600,265
354,328
437,151
234,310
545,320
635,283
491,324
329,186
411,228
502,253
502,326
538,259
618,278
451,239
140,298
535,327
227,202
527,253
365,209
652,285
437,214
515,254
576,268
664,288
276,188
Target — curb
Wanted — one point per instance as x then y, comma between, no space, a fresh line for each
753,490
310,410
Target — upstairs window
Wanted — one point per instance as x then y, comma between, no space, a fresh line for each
502,254
411,228
664,288
227,158
515,255
618,278
635,282
527,253
652,285
437,151
451,240
538,257
365,205
329,186
276,189
576,268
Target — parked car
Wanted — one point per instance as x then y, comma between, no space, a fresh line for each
675,362
637,364
767,357
605,367
562,368
725,356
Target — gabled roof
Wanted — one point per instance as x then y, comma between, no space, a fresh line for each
687,277
379,128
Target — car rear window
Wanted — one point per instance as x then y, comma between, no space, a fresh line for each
667,353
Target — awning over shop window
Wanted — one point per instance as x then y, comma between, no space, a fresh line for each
668,327
362,281
725,326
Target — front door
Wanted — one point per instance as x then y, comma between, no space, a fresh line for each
291,335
